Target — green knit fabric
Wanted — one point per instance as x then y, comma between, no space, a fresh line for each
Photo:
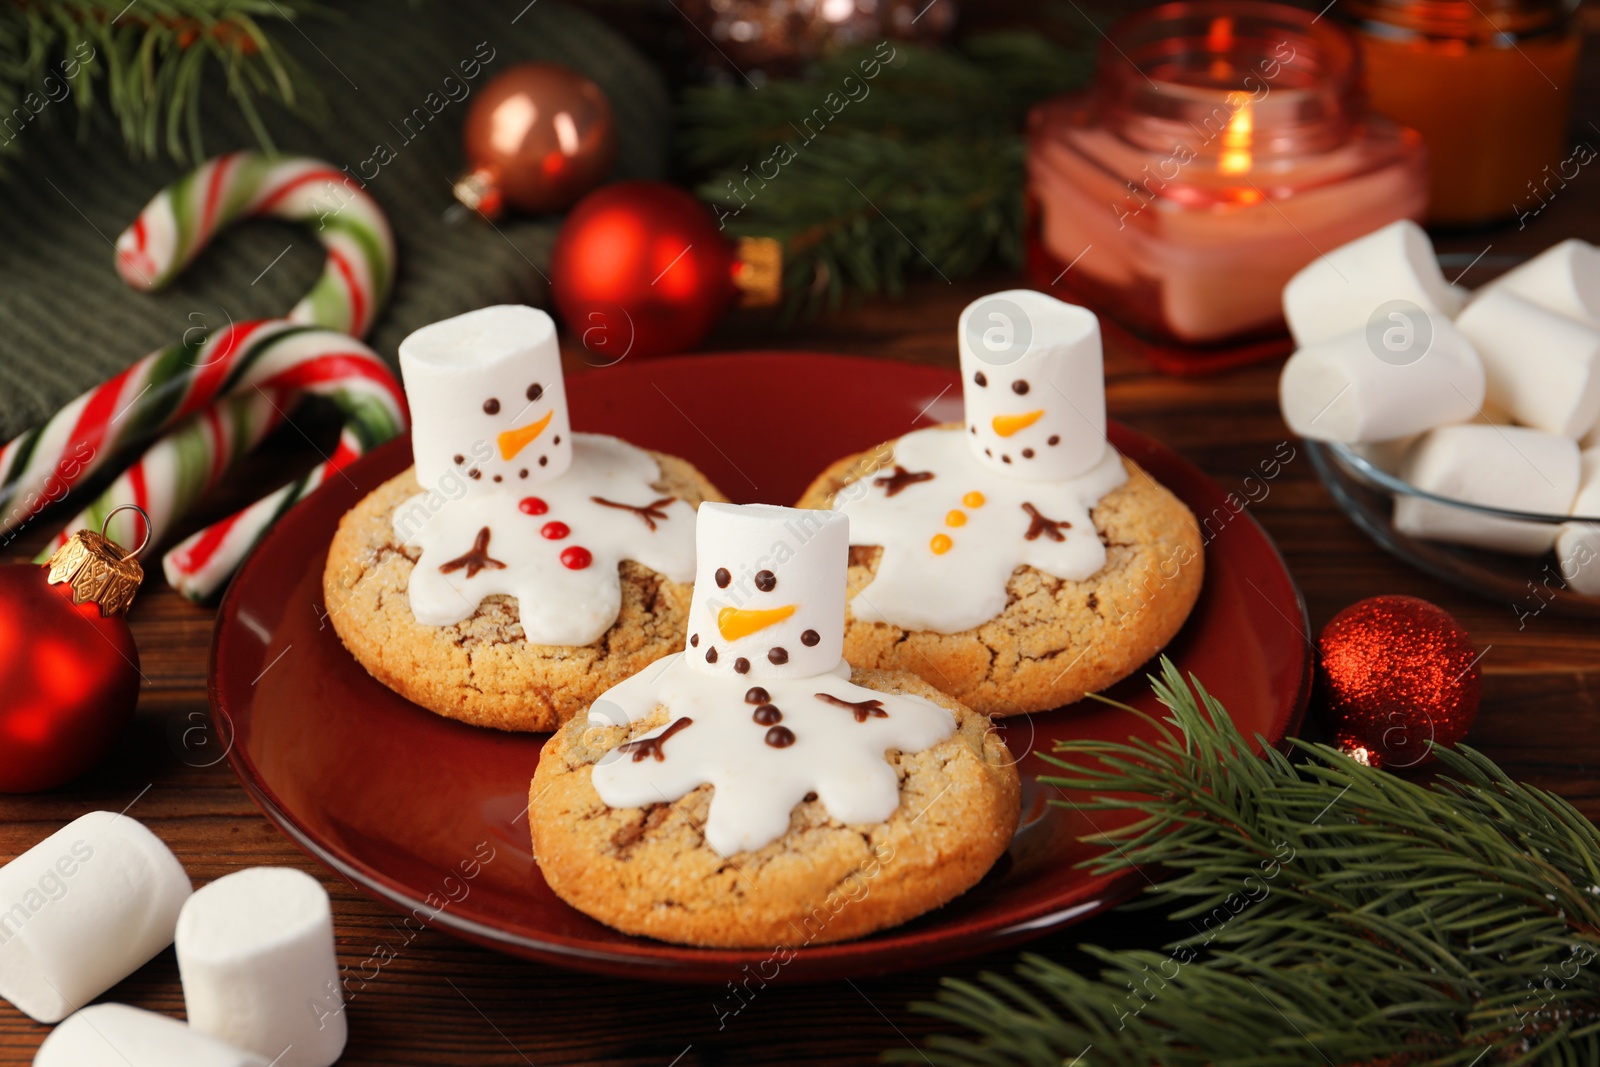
67,322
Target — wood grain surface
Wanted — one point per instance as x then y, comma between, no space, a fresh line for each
443,1002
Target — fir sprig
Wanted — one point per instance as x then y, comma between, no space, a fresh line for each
1341,915
882,162
146,63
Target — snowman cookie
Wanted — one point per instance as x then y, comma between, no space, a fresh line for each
755,791
1014,561
518,569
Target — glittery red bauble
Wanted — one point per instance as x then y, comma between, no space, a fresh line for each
640,269
1398,675
69,678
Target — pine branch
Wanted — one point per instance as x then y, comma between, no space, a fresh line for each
884,162
146,64
1341,914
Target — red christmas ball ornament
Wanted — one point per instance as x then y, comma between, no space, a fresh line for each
69,670
1399,676
537,137
641,269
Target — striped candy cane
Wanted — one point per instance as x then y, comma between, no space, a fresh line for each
277,362
178,469
198,395
183,218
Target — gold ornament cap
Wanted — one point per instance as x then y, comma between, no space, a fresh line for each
758,271
479,190
97,568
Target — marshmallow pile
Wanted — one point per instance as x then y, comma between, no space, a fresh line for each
1489,397
95,901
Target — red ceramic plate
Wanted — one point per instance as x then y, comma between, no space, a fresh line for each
429,815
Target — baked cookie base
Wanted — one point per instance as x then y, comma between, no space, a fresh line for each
649,872
1056,640
481,670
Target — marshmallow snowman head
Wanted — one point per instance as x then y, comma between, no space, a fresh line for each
768,591
1034,385
488,402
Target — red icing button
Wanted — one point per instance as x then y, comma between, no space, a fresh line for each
555,530
576,558
532,505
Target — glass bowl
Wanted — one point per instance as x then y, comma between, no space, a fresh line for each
1366,492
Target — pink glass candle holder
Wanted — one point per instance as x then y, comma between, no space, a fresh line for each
1222,145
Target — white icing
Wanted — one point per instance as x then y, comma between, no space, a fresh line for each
487,401
802,557
1034,384
557,604
917,588
756,785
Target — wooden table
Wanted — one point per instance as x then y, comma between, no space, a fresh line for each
444,1002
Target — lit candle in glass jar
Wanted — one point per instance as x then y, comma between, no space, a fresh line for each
1488,85
1222,146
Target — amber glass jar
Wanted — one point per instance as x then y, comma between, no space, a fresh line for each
1220,147
1488,84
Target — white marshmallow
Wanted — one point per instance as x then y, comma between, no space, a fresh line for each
1543,368
1341,390
115,1035
1338,292
767,578
255,949
1564,278
82,910
487,395
1034,381
1578,543
1510,467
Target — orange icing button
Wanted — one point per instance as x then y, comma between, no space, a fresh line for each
940,544
955,518
973,499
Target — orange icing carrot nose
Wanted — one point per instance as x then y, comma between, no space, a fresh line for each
514,441
742,622
1006,425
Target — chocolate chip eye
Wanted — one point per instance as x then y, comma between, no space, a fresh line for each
979,379
723,577
491,406
810,638
766,581
535,391
459,460
1020,386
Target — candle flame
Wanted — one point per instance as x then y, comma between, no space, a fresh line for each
1219,41
1236,138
